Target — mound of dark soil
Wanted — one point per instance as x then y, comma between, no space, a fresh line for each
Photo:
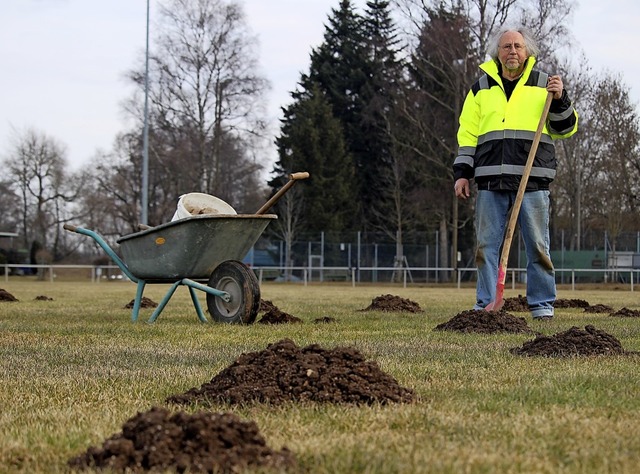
626,313
393,303
485,322
159,441
144,303
43,298
598,308
266,306
275,316
517,304
324,319
570,303
573,342
6,296
285,372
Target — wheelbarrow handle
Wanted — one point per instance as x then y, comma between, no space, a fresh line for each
293,177
70,228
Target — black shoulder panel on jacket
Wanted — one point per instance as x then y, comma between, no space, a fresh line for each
537,78
485,82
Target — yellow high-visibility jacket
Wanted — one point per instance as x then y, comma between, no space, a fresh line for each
495,134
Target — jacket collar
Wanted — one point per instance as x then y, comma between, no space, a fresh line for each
491,68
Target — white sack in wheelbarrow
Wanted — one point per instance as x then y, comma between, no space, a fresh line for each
194,204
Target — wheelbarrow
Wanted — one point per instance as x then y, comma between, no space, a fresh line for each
196,250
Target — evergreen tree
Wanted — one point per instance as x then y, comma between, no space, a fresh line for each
311,140
340,68
379,96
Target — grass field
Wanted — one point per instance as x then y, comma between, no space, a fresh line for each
75,368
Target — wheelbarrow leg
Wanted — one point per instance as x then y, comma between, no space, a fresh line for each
164,302
196,305
138,301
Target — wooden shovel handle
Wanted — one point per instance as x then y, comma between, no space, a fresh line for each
293,177
515,210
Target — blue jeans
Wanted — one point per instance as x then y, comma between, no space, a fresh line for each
492,215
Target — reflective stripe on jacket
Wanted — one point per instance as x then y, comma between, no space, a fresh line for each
495,135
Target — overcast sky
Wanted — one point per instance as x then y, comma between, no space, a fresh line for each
63,61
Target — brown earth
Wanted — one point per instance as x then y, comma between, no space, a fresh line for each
485,322
43,298
284,372
626,313
144,303
6,296
570,303
275,316
324,319
598,308
393,303
266,306
519,303
161,441
573,342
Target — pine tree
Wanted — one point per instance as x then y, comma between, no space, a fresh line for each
311,140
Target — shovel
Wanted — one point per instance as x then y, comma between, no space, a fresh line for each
497,304
292,180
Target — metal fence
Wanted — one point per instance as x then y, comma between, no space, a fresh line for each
305,275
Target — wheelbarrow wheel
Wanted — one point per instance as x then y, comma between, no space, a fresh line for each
241,283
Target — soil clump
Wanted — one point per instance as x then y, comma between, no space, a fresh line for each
570,303
284,372
393,303
6,296
626,313
43,298
276,316
485,322
570,343
159,441
144,303
324,320
517,304
598,308
266,306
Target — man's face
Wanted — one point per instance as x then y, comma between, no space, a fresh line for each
512,52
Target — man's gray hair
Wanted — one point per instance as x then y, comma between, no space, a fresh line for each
530,42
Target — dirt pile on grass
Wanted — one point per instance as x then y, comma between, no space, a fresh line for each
284,372
324,320
266,306
598,308
485,322
6,296
626,313
159,441
276,316
573,342
393,303
519,304
570,303
43,298
144,303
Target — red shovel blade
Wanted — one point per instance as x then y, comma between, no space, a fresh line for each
498,303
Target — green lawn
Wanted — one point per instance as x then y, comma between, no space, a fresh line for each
74,369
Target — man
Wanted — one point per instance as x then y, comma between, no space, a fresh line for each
497,125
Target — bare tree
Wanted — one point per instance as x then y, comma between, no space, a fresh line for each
206,93
36,164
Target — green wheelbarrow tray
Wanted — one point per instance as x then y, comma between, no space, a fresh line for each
192,251
191,247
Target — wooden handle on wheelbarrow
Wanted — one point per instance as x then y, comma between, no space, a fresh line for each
293,177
